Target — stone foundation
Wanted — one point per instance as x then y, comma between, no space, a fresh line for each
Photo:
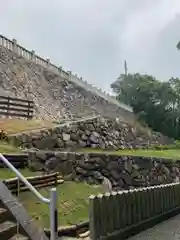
92,133
124,172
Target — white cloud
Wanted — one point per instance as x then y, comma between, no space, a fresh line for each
92,38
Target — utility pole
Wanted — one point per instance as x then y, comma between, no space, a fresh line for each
125,68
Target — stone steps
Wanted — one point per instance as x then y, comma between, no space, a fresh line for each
19,237
8,227
15,223
7,230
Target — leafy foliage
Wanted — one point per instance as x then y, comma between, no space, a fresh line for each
3,135
154,102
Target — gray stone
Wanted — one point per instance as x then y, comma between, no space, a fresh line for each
60,143
66,137
116,168
97,133
45,143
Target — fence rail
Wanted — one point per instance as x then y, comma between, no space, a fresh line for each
31,56
37,181
16,107
120,214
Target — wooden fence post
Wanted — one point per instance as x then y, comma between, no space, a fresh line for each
94,217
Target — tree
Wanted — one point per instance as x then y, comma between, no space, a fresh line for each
156,103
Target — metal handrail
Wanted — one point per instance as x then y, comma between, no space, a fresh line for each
52,201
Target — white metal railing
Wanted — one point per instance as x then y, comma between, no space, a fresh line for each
31,56
52,202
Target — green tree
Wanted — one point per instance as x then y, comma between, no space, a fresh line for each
156,103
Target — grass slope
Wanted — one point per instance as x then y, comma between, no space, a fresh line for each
170,153
6,173
72,203
11,126
7,148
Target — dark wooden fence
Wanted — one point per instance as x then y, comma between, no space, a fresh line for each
19,160
122,214
16,107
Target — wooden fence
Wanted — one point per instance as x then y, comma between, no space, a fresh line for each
122,214
37,181
16,107
18,160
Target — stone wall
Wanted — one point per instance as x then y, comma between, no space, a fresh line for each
124,172
55,96
93,133
20,51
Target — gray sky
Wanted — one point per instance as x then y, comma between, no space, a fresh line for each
93,37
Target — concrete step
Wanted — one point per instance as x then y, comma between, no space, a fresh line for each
18,237
7,230
4,215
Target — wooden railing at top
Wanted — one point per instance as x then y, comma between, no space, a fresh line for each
10,106
31,56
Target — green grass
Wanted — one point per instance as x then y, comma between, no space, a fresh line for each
6,173
169,153
7,148
72,203
12,126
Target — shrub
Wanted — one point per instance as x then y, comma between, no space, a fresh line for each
3,135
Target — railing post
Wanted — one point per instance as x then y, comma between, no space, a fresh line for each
53,214
14,45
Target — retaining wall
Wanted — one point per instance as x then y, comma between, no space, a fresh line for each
94,132
124,172
31,56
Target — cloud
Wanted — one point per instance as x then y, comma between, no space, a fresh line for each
92,38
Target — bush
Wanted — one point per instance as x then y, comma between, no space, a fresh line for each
176,145
3,135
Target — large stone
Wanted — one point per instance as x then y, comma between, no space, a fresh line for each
66,137
115,175
60,143
94,138
128,165
46,143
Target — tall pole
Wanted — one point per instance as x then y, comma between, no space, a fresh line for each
125,68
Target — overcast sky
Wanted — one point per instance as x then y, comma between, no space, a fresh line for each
93,37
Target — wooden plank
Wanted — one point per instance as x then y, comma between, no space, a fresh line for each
14,114
16,99
115,211
16,109
20,107
94,217
16,104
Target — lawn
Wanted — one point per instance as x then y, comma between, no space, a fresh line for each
169,153
12,126
6,173
7,148
72,203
